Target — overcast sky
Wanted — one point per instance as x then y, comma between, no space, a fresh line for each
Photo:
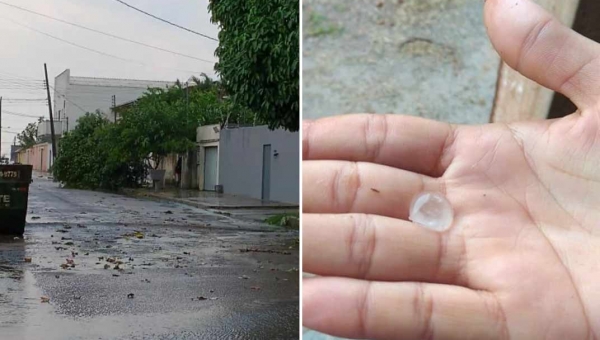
23,51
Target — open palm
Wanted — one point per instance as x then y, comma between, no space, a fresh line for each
522,258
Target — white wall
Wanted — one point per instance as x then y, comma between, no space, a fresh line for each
45,130
241,162
75,96
61,83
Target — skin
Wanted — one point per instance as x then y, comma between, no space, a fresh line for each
522,258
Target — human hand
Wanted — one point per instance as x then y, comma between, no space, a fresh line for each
522,258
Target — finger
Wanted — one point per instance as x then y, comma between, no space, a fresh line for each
376,310
345,187
534,43
403,142
378,248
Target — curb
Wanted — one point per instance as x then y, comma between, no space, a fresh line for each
211,206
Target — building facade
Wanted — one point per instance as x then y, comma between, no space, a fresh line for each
260,163
39,156
75,96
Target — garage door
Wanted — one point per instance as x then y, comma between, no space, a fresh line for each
211,156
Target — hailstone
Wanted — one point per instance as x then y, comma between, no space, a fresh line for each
432,211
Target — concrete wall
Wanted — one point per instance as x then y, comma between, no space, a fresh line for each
39,156
168,164
206,136
44,129
75,96
21,156
189,173
241,160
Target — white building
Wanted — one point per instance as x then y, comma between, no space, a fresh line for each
75,96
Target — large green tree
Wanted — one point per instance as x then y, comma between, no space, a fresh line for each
164,121
259,56
81,158
90,159
100,154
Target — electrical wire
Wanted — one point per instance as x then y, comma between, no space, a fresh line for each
25,103
12,132
11,113
23,100
10,75
65,98
11,83
93,50
107,34
166,21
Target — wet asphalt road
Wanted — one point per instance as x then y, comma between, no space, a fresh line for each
182,265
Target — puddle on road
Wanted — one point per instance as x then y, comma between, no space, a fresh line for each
23,316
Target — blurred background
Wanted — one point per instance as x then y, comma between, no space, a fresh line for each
428,58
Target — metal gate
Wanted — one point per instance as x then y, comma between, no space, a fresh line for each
266,173
211,158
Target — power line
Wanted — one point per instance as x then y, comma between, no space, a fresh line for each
65,98
22,84
93,50
20,114
166,21
25,99
18,81
107,34
26,103
10,75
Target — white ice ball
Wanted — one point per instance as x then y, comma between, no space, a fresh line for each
431,210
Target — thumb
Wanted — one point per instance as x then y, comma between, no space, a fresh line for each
533,42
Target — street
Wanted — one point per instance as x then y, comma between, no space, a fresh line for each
95,265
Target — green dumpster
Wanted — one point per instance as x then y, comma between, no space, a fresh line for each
14,193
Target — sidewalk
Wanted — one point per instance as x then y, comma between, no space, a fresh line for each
210,200
228,206
41,174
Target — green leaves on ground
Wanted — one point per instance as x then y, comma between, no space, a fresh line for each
284,220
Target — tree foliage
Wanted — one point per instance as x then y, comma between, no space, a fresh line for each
259,56
28,137
100,154
87,157
164,121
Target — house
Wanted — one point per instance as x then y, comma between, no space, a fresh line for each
14,153
39,156
75,96
249,161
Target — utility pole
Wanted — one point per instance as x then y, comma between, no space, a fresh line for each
54,150
114,105
187,105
